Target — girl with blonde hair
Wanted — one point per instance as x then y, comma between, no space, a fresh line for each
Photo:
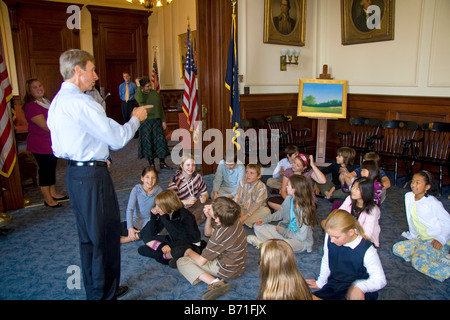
351,268
280,276
190,187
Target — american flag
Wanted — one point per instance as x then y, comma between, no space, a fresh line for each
190,105
7,144
155,76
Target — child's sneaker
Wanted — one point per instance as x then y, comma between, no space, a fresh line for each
445,260
254,241
216,289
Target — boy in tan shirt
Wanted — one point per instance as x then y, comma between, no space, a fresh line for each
252,195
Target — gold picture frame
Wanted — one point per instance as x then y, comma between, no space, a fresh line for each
320,98
182,48
290,31
358,27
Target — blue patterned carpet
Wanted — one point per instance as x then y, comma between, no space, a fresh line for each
35,258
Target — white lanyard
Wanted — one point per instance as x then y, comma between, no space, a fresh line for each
189,189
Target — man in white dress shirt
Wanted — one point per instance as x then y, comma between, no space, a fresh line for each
82,133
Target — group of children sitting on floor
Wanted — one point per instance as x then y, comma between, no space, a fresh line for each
350,268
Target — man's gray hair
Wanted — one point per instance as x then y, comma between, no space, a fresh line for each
71,58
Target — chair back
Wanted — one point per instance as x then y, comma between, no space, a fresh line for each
435,144
281,123
360,130
252,143
396,136
287,134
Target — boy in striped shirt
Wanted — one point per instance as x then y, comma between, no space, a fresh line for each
225,254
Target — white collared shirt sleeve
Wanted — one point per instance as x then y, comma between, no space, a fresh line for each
282,163
80,129
324,267
432,214
377,278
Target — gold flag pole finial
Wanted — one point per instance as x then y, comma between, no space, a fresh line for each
233,3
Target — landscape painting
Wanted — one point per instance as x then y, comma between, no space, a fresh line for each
322,99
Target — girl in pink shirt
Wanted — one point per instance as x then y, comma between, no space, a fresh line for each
361,205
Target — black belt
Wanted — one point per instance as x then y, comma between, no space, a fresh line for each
93,163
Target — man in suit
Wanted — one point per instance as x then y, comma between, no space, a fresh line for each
283,22
361,20
127,89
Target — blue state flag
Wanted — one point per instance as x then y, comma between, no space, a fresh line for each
232,84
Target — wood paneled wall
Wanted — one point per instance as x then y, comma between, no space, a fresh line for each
383,107
120,45
213,38
40,35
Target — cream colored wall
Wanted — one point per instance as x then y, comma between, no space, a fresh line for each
415,63
165,24
259,62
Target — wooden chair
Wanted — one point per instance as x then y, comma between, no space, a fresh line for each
395,143
361,129
28,169
251,147
287,134
20,124
433,149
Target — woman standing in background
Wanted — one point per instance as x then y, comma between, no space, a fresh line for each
35,107
152,140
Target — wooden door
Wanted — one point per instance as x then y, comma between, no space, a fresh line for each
120,44
114,71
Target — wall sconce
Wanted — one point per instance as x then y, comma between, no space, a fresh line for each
286,58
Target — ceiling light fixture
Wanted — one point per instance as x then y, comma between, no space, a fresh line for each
149,4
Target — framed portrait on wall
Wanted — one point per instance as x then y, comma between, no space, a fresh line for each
366,21
284,22
320,98
182,47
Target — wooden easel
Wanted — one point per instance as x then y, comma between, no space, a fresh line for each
325,74
321,144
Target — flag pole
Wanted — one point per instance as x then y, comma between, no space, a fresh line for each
231,80
233,5
192,132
